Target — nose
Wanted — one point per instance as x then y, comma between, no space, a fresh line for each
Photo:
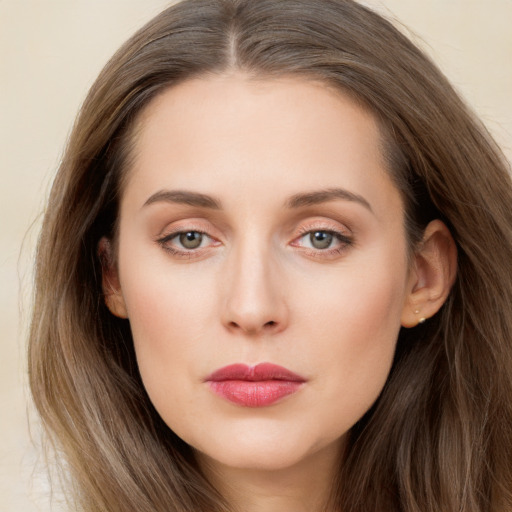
254,293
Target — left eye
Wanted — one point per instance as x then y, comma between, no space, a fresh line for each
322,239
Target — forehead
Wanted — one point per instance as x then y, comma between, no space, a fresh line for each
260,137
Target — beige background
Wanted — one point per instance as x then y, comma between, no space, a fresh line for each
50,52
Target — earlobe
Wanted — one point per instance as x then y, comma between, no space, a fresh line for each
433,275
113,296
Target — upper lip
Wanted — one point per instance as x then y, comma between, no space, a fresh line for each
260,372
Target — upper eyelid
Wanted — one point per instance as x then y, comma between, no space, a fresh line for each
205,227
342,237
185,225
325,225
335,232
330,228
174,234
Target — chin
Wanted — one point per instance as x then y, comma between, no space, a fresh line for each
258,460
262,450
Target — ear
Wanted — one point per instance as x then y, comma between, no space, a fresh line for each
432,275
110,280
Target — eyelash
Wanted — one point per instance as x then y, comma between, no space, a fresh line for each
343,240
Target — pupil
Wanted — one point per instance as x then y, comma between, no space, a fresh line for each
191,240
320,239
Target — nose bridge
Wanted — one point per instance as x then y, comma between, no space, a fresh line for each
254,301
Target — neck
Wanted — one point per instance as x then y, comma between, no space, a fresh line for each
303,487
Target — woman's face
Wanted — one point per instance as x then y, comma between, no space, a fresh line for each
259,225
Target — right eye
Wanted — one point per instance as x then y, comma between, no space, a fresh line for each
186,242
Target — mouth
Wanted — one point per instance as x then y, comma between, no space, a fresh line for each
254,386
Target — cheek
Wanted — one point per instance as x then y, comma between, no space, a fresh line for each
157,303
354,322
169,314
171,318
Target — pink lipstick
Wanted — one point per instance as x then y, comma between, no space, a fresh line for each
254,386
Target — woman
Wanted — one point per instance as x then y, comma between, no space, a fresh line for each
283,275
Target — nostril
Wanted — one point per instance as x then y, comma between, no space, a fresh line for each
235,325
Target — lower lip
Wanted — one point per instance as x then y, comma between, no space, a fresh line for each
254,394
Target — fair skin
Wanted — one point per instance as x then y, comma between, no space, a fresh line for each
270,271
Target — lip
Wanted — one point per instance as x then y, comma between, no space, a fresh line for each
254,386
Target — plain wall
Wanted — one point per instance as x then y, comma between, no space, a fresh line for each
51,51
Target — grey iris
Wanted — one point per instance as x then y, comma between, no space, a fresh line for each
191,240
321,239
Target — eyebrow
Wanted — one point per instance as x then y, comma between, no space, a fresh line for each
296,201
323,196
184,197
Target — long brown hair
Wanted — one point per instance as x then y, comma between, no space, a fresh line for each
439,438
